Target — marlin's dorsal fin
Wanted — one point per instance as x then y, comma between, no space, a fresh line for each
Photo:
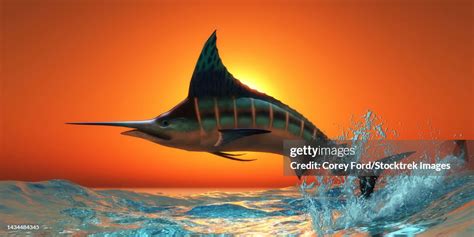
211,78
209,60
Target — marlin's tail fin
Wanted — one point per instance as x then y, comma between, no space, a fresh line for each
367,183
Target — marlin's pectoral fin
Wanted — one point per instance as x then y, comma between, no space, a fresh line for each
229,135
230,156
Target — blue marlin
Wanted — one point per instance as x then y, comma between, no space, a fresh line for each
222,115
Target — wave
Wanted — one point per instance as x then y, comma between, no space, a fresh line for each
60,206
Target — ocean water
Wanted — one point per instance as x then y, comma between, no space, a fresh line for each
405,206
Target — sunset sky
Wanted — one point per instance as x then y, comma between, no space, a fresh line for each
411,62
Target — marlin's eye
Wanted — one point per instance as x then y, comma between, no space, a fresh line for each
165,123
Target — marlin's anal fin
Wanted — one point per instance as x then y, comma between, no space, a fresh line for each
230,156
228,135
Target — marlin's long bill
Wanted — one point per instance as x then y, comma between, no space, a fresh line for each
147,129
128,124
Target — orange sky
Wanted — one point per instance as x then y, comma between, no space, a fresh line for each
410,62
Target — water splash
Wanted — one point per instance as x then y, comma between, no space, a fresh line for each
395,207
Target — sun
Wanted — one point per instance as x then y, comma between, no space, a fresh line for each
255,80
